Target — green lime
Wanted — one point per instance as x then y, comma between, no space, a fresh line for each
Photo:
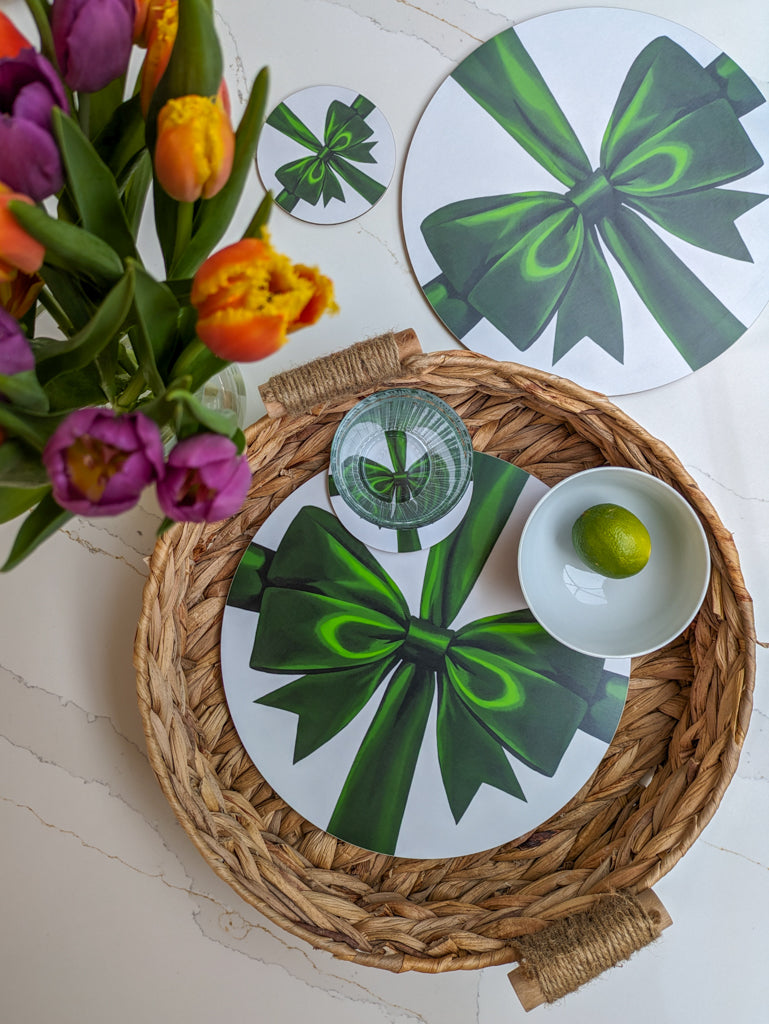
611,540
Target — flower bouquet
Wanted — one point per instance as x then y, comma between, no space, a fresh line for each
110,403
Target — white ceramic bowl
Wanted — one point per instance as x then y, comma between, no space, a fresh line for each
606,617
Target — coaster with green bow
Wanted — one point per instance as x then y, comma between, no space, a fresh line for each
629,252
409,703
333,174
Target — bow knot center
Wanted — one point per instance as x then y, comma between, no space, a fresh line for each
426,643
594,197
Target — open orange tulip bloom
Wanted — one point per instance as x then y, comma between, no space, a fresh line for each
18,250
250,297
194,148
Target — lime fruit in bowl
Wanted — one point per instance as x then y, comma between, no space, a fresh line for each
611,540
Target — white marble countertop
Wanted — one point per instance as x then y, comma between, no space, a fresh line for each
108,912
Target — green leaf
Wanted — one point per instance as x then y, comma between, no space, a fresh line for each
157,312
259,220
34,428
92,186
39,525
217,422
23,390
67,246
40,11
15,500
103,104
68,295
76,389
214,215
197,362
20,466
121,142
135,194
82,348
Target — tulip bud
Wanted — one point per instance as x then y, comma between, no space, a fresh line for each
18,250
15,354
194,149
162,26
205,479
93,40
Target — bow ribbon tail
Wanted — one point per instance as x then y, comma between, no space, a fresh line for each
357,179
503,79
370,808
698,324
454,564
468,754
326,702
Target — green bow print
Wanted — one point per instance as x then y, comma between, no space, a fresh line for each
402,482
673,139
502,683
344,144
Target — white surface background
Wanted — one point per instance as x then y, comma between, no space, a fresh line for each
109,914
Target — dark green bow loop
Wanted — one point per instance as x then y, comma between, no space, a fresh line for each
519,260
345,143
329,613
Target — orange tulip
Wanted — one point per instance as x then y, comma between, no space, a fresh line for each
160,27
148,12
250,297
194,149
18,250
12,42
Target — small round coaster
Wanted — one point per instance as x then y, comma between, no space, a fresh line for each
401,538
327,154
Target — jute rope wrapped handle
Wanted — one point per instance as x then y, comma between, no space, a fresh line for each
568,953
362,365
660,782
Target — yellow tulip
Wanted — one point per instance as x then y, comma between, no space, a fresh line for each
194,149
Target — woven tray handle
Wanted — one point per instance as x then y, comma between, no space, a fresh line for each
354,369
570,952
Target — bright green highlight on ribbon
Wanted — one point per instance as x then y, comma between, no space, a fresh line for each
329,612
345,143
673,140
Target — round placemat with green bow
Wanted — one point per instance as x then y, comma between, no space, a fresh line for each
587,193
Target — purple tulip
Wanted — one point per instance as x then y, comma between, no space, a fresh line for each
29,157
99,463
205,479
15,354
93,40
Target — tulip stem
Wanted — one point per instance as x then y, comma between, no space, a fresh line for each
133,391
49,303
84,112
184,212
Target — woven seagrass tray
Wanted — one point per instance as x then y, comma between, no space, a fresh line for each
660,782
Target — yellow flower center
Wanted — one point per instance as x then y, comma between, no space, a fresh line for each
91,464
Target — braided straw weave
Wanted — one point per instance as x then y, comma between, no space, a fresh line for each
658,785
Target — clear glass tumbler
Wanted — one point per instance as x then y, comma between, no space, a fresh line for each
401,458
